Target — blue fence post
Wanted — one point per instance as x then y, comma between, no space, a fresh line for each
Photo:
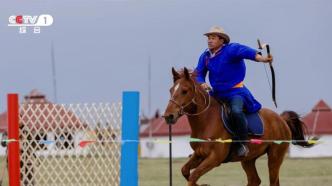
130,131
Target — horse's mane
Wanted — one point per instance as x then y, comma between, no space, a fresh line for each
193,76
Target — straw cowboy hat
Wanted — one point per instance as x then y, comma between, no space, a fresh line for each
216,30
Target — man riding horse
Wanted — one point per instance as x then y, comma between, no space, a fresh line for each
205,112
225,63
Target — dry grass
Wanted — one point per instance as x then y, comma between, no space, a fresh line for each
294,172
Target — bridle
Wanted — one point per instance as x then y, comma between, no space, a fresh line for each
182,107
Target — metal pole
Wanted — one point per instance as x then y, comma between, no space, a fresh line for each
170,154
149,88
130,132
149,106
13,134
55,91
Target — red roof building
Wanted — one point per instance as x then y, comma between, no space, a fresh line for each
3,122
319,120
158,127
49,114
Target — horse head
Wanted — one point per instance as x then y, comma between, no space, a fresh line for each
183,95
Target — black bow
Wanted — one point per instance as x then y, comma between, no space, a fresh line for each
272,72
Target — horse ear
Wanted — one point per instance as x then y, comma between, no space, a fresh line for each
176,75
186,73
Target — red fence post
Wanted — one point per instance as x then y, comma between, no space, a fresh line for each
13,134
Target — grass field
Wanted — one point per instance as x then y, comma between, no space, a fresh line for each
294,172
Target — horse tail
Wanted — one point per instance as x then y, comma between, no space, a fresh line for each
298,129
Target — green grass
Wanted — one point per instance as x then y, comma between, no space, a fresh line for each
294,172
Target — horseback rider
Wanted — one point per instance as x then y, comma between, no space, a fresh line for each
225,63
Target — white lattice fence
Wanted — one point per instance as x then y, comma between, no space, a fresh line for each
70,144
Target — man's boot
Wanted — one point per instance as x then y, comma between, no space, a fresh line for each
243,149
241,129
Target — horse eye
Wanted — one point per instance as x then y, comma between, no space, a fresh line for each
184,92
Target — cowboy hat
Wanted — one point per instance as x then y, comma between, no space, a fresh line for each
216,30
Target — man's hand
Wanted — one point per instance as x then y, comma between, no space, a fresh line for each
267,59
205,86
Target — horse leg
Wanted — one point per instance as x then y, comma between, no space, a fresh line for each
275,158
192,163
251,171
206,165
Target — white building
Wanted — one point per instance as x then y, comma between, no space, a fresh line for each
154,139
42,128
319,123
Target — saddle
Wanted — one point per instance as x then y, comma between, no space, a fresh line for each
255,123
255,127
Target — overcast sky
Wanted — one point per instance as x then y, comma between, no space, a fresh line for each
102,47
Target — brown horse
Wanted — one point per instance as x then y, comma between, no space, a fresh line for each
203,112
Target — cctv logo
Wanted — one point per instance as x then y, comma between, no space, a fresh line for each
24,21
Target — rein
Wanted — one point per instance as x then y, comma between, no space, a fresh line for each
182,107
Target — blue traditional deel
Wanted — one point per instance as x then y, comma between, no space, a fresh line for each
227,70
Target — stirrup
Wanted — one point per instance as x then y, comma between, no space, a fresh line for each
243,150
